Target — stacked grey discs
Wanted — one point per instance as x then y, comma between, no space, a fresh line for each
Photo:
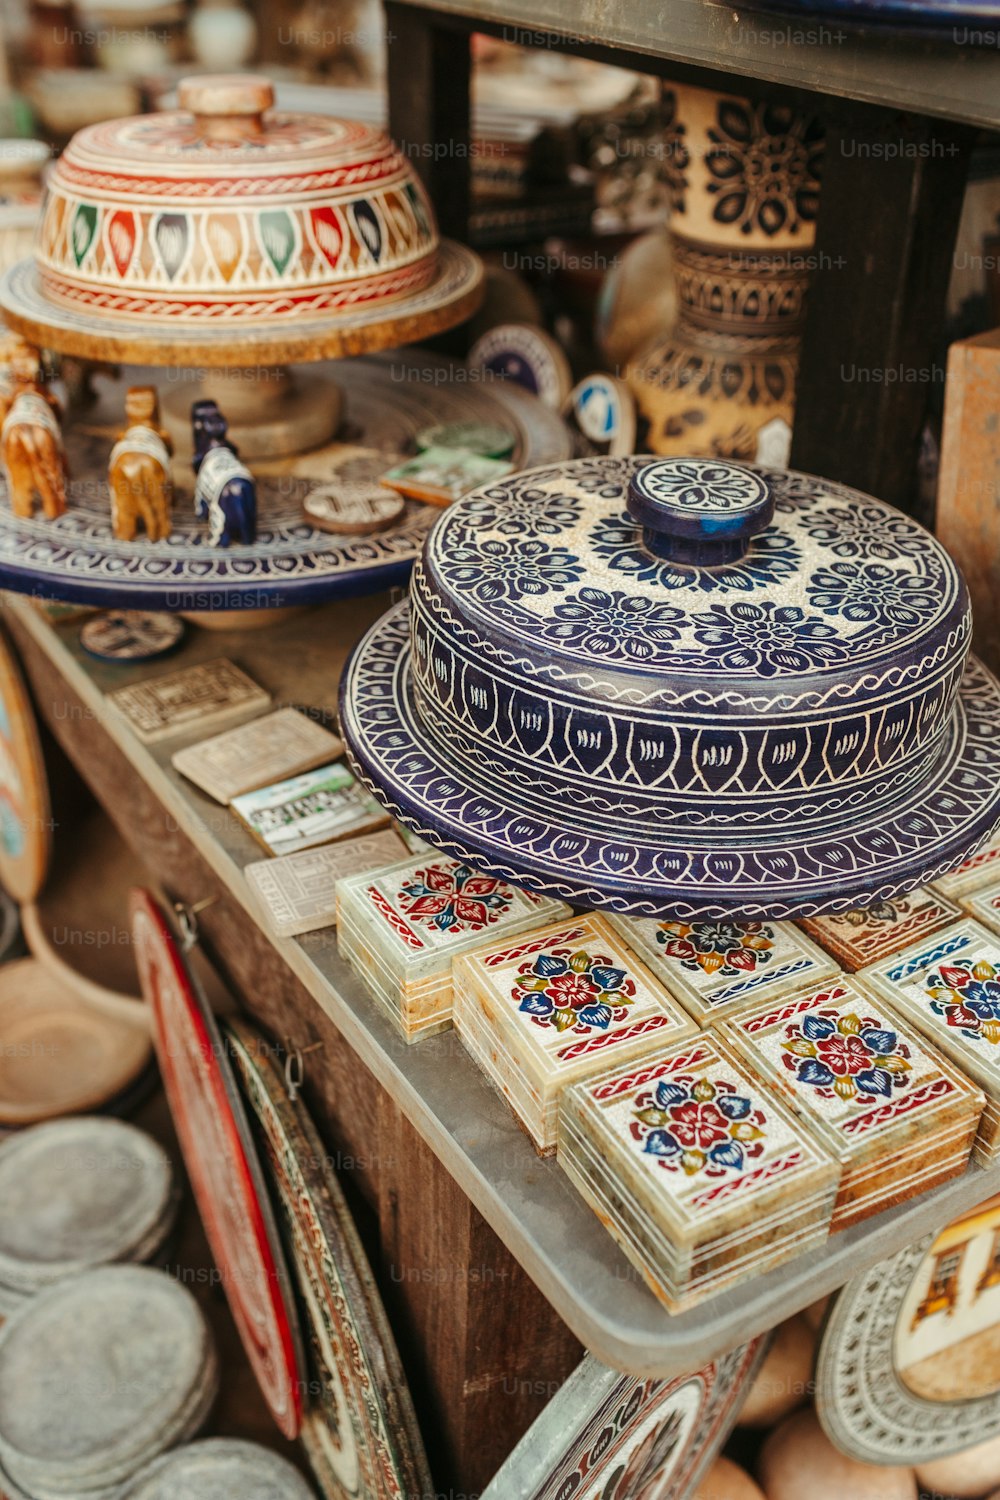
76,1194
220,1469
100,1375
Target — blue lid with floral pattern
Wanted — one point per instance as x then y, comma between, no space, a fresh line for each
669,685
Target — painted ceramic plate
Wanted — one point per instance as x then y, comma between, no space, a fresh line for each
388,402
25,815
608,1436
131,635
909,1362
360,1433
222,1163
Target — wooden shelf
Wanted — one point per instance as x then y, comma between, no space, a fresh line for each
529,1202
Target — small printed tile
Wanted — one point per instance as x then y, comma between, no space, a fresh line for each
298,892
984,905
558,1005
949,989
861,937
870,1088
977,871
318,807
715,968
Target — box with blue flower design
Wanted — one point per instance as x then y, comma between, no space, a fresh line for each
400,928
555,1007
715,968
696,1167
948,987
896,1114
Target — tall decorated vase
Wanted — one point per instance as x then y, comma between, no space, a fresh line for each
744,186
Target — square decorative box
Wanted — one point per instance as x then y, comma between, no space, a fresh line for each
400,928
984,905
861,937
897,1116
714,968
555,1007
977,871
698,1169
948,987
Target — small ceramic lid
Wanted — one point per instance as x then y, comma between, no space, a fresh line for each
229,208
97,1376
701,687
220,1469
80,1193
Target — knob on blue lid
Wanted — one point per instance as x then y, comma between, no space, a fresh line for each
699,511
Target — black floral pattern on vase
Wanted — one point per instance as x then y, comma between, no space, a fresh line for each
676,157
764,167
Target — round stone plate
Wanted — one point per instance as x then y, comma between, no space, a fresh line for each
25,816
606,1435
222,1162
388,401
98,1375
360,1433
131,635
219,1469
80,1193
59,1056
908,1368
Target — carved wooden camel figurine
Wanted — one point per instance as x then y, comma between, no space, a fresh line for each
139,470
31,440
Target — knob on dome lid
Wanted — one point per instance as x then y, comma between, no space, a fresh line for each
227,104
699,511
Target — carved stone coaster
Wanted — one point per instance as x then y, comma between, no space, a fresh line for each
25,815
131,635
200,697
605,1435
716,968
268,749
555,1007
863,936
895,1114
908,1368
699,1171
360,1431
356,509
222,1163
298,892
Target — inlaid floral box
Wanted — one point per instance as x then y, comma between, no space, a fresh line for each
948,987
895,1114
715,968
697,1168
400,929
554,1008
862,936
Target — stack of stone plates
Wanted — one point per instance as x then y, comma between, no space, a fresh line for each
77,1194
219,1469
697,1169
99,1376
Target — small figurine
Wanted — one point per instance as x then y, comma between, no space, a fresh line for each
224,494
31,439
139,470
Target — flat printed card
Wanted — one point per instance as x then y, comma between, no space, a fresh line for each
440,475
571,992
976,871
268,749
861,937
703,1134
298,892
984,905
196,697
316,808
714,968
949,988
850,1066
430,905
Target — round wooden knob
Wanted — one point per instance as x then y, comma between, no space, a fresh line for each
227,106
699,511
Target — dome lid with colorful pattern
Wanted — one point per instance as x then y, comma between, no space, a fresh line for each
686,687
230,217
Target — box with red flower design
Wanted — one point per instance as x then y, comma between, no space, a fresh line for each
948,987
554,1008
984,905
715,968
400,928
894,1112
697,1168
978,870
864,935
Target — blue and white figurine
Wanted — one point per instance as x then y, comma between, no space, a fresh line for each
225,494
682,687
